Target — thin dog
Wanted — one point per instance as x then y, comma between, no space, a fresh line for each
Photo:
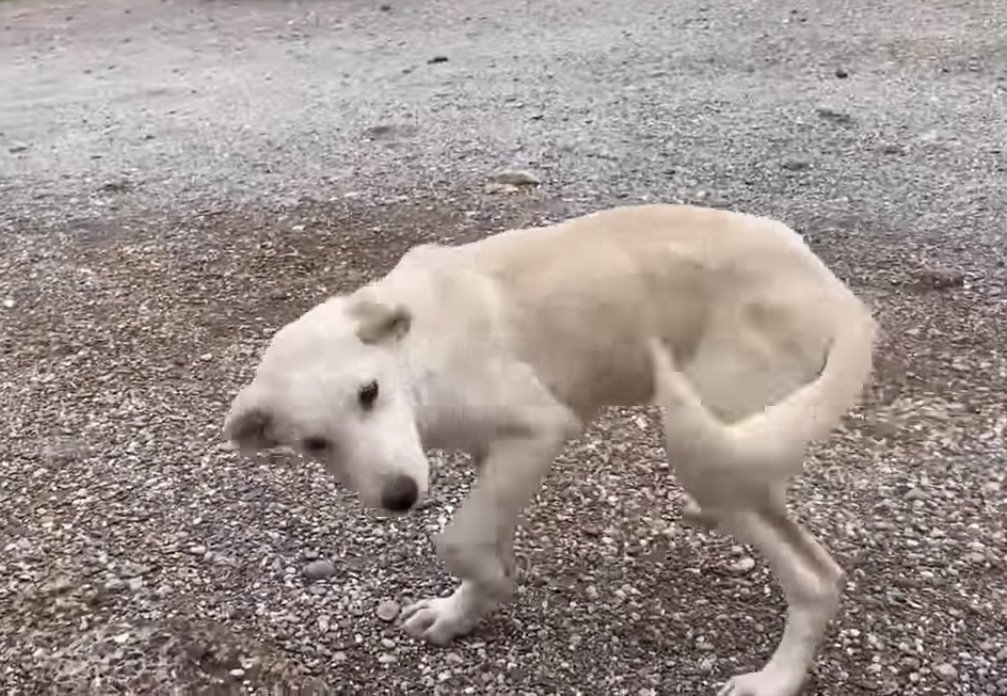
508,347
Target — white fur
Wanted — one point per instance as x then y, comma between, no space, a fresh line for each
515,342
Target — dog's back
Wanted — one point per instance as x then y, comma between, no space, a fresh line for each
741,299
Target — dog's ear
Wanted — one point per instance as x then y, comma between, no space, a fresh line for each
380,322
249,423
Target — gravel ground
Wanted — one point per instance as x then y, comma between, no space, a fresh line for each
178,179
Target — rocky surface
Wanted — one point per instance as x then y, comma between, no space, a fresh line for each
178,179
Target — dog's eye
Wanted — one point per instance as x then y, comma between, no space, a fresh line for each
315,445
367,395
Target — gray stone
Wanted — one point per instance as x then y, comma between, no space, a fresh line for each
516,177
796,165
388,610
320,569
496,187
946,671
743,565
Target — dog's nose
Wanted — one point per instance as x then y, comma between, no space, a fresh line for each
400,493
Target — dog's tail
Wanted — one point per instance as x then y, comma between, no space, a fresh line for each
769,444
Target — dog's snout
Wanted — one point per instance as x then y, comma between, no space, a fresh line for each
400,493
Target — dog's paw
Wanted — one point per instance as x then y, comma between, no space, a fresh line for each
765,683
438,620
693,514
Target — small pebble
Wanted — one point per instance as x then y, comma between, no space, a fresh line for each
946,671
131,570
796,165
58,586
319,570
516,177
908,664
939,278
839,117
743,565
388,610
496,187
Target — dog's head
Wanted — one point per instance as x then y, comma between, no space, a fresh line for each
331,385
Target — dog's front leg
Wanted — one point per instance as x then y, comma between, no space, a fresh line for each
477,545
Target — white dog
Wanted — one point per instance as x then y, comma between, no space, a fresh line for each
508,347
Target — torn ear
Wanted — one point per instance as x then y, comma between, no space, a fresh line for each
380,322
249,425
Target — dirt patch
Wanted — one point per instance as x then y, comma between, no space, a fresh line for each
126,350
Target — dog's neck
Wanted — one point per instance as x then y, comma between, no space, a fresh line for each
438,374
449,379
446,360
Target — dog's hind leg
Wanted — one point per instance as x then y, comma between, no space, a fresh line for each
810,579
477,545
